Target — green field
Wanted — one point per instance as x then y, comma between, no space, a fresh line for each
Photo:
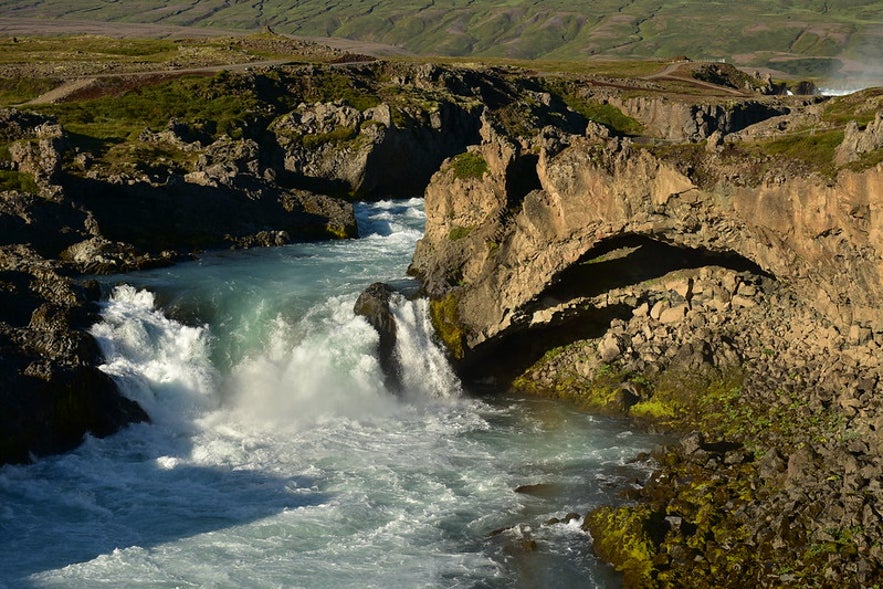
826,36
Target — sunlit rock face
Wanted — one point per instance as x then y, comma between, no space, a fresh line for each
504,240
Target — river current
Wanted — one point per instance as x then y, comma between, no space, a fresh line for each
275,458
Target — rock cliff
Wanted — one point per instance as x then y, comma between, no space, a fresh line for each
504,249
724,278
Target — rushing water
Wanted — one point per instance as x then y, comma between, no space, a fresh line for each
276,459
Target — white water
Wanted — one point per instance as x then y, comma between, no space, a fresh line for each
276,458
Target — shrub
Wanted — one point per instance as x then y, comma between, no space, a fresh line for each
469,164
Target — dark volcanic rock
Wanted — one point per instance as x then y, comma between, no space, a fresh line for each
187,217
49,227
51,390
373,305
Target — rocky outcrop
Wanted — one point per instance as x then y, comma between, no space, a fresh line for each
857,142
41,156
680,121
179,217
708,288
373,305
36,144
803,230
51,390
339,149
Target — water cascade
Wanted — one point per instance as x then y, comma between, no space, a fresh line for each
275,457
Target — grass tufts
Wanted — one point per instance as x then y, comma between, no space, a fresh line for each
469,165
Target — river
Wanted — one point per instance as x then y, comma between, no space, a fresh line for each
275,458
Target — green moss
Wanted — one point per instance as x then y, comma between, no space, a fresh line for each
446,321
138,156
332,86
10,180
815,148
469,164
19,90
458,232
597,392
519,119
337,135
593,110
622,537
610,116
222,100
653,409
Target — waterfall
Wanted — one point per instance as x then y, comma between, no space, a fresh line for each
276,457
160,363
425,368
323,366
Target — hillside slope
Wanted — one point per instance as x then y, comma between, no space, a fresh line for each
810,38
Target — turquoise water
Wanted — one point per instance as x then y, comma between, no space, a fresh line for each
276,458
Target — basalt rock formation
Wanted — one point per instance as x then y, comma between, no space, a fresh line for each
51,390
723,278
806,231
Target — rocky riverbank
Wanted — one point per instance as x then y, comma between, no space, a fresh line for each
723,283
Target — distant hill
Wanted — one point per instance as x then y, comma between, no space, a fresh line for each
805,38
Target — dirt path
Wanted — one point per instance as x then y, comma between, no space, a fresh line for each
59,93
69,87
670,73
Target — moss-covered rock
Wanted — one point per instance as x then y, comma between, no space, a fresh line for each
445,319
469,164
626,537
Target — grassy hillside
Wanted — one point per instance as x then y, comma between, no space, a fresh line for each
827,36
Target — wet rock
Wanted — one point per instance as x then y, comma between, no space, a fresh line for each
627,396
374,305
538,490
51,390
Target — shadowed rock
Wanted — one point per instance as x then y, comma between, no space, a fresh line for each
373,305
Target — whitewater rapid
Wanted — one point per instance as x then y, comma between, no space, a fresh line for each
276,458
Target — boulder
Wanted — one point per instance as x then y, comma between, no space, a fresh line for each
373,305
